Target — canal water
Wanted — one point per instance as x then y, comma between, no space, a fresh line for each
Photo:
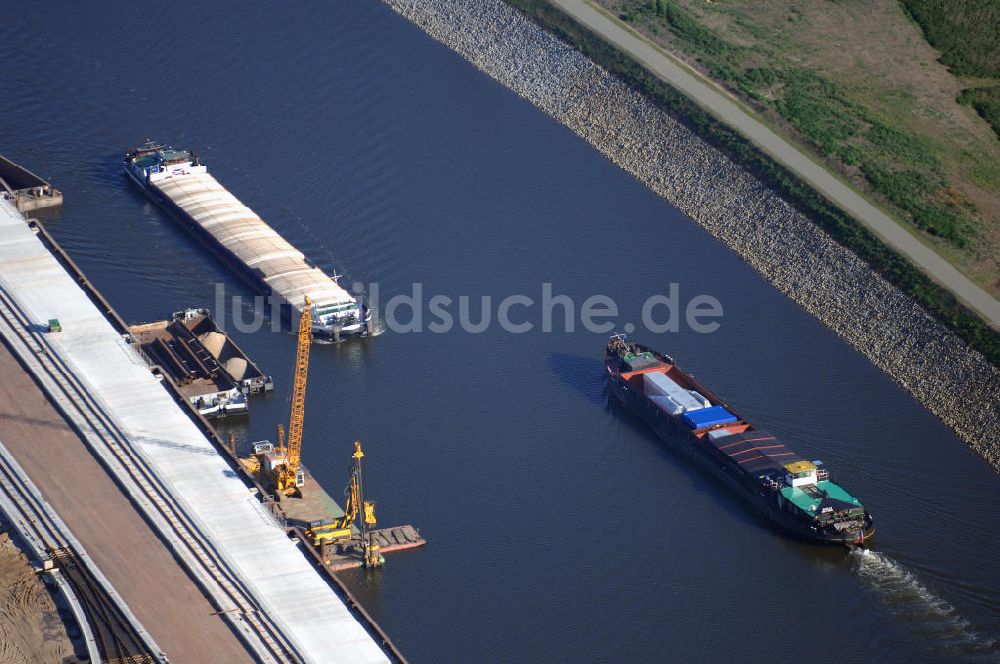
559,529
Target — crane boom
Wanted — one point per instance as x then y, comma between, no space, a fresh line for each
288,478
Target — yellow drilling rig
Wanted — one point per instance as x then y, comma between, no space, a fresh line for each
358,513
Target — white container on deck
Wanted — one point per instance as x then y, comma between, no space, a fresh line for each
716,434
658,384
700,398
667,405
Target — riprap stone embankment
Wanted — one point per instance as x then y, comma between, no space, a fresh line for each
950,379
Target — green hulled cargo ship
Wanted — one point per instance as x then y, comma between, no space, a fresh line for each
793,493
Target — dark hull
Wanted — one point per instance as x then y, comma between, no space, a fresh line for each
679,439
252,277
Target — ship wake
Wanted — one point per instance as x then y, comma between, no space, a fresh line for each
926,614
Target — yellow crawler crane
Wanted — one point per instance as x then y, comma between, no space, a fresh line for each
288,477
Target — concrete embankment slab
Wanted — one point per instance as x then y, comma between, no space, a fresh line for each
269,565
128,552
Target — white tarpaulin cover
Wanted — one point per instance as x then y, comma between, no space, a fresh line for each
241,231
658,384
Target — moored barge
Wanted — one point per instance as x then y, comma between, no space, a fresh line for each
794,494
206,365
180,183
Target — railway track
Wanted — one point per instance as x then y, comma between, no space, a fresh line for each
117,637
233,600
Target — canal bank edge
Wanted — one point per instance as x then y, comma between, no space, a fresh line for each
844,228
906,237
939,300
750,216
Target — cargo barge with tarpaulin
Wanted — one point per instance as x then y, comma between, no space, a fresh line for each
179,182
795,494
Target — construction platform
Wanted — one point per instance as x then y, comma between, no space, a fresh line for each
316,506
165,455
349,553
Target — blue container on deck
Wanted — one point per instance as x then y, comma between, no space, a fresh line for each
706,417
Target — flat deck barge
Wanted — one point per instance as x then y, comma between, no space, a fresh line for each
25,189
180,183
314,506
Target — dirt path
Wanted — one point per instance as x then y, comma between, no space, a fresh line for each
31,631
723,107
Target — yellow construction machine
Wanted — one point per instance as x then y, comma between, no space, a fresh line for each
358,514
281,463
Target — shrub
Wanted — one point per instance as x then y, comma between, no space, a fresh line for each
965,33
986,101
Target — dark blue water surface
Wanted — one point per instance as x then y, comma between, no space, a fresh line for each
558,529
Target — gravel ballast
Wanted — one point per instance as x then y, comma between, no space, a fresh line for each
943,373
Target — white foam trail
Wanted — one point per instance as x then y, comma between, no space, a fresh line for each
378,328
927,614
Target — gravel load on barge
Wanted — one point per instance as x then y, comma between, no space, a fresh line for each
179,182
796,495
210,370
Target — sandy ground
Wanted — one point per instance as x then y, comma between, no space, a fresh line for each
31,631
140,567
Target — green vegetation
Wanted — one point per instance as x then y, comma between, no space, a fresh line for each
967,33
986,101
938,301
968,36
896,164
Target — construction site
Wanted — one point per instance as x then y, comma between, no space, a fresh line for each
104,432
